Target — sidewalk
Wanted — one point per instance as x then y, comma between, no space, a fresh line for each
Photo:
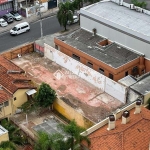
33,18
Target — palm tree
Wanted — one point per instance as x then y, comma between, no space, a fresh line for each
75,138
65,13
70,139
51,142
7,145
43,142
14,133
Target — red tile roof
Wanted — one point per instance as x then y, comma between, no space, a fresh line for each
4,96
135,135
11,76
28,147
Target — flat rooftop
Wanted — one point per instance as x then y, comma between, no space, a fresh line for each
88,100
142,86
113,54
120,17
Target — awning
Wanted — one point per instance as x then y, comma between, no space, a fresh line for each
31,91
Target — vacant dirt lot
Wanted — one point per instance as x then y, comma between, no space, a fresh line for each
79,94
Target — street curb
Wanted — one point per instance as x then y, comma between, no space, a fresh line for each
32,21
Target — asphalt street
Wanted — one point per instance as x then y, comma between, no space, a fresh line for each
50,26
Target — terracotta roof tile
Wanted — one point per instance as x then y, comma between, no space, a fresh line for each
135,135
11,76
4,96
28,147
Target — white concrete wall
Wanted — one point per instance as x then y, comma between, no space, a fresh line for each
116,90
105,84
44,7
116,36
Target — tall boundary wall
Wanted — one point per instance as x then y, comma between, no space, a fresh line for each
102,82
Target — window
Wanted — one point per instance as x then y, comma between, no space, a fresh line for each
101,70
76,57
135,70
24,27
6,103
15,98
111,76
126,73
89,64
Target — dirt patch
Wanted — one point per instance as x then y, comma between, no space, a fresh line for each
75,92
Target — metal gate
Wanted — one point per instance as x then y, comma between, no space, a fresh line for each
52,4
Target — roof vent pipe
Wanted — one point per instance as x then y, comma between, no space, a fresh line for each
111,123
138,106
125,117
94,31
118,114
120,2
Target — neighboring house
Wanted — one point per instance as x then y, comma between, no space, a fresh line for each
138,88
3,134
122,23
126,130
6,6
107,57
15,88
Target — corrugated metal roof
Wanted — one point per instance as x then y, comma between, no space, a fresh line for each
30,92
127,81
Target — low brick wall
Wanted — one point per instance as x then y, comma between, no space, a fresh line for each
13,53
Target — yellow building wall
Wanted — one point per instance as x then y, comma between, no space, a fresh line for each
146,97
71,114
6,111
4,137
21,98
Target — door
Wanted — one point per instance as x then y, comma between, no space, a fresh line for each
18,31
52,4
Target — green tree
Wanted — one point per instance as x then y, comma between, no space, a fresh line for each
75,138
7,145
70,139
45,96
139,4
43,141
28,106
14,133
55,141
65,13
77,4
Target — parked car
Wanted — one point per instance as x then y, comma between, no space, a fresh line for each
75,19
15,15
20,28
8,18
3,23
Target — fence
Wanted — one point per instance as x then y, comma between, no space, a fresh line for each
19,51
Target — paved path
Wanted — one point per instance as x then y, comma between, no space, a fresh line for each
30,19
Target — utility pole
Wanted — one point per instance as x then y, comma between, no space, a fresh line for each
41,25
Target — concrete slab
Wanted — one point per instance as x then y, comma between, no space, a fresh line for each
85,97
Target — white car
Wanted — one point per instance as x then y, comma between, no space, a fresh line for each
3,23
20,28
15,15
75,19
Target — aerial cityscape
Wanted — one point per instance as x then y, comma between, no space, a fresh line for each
74,75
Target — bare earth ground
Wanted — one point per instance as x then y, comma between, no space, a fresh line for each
79,94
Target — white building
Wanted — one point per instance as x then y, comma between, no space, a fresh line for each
127,25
